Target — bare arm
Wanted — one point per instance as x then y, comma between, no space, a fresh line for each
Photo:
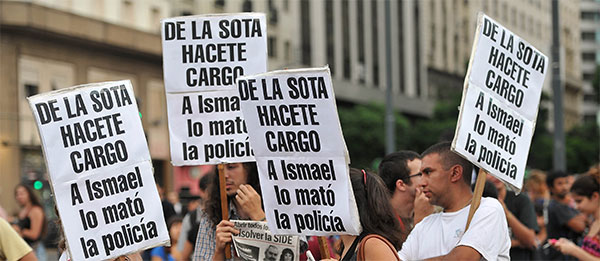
36,215
460,253
376,249
188,249
567,247
577,223
524,235
29,257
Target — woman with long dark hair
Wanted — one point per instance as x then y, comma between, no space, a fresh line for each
381,237
31,223
586,193
243,193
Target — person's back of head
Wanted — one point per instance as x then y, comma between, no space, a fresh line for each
394,166
536,183
449,159
375,212
587,184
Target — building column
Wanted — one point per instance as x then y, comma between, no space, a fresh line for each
10,150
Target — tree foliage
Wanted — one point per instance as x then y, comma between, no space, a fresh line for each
364,131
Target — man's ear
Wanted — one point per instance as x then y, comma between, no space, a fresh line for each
456,173
595,194
400,185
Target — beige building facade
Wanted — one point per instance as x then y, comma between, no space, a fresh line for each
50,44
44,49
448,30
590,56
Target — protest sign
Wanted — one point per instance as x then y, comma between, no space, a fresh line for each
256,242
202,58
300,152
500,102
100,169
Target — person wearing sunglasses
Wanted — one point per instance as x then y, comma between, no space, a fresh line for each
400,171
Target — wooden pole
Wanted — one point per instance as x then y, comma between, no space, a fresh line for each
323,248
224,208
479,185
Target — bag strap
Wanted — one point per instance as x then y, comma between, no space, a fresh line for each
353,247
361,248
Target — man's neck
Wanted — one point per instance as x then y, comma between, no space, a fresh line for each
562,200
459,200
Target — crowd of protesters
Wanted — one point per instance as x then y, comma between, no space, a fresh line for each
414,207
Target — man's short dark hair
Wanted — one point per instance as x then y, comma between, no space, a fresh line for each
450,158
394,167
554,175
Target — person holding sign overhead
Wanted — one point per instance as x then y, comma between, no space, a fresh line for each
446,182
243,193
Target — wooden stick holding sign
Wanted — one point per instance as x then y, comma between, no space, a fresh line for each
224,207
479,185
324,248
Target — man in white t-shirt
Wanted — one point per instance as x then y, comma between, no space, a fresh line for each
446,182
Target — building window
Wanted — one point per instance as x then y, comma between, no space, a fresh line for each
360,24
445,61
272,47
495,9
31,89
287,48
329,27
588,57
589,16
128,14
305,32
154,15
374,38
220,3
346,39
588,36
418,49
273,15
401,47
247,6
432,35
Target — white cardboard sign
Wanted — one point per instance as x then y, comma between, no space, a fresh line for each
300,152
100,169
500,102
202,58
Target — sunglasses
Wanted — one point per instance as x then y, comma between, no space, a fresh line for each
415,175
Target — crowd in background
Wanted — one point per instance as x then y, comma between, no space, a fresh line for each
555,217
